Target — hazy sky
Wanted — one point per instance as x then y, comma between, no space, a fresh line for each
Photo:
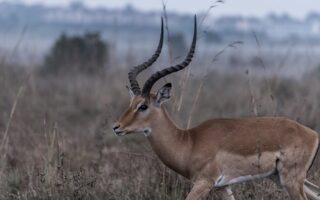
245,7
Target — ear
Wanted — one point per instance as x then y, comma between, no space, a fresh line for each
163,94
130,92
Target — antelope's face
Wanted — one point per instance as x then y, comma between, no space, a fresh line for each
141,113
144,108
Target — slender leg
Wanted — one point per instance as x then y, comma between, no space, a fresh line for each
296,191
225,193
199,190
292,169
294,185
311,194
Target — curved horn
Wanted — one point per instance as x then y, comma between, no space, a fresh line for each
158,75
132,75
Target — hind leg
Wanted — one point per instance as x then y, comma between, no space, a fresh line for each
292,168
293,182
294,186
295,190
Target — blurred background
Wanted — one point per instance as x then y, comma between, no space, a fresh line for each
32,27
63,72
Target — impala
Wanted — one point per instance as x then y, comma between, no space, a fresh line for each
220,152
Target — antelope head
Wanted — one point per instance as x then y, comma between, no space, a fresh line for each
145,107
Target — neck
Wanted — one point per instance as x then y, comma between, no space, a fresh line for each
169,142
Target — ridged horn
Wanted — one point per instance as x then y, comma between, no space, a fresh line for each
132,75
158,75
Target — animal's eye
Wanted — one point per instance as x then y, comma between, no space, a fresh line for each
142,108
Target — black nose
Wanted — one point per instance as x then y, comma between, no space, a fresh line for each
115,127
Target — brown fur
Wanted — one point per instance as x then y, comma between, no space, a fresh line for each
219,151
316,160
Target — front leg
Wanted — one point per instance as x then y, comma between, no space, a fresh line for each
199,190
225,193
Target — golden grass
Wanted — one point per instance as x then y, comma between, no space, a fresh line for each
56,133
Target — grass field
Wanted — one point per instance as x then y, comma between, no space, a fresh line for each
57,143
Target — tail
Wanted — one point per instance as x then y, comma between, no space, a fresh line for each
311,190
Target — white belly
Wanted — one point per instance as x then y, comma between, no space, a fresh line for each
236,169
225,181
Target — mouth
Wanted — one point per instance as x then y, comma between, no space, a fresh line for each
120,133
146,132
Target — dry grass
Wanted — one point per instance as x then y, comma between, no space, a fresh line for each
56,139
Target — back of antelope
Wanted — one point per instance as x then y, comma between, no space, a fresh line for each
220,152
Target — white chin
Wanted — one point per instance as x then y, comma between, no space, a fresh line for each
120,133
147,132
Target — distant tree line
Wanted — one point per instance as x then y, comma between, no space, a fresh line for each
86,54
